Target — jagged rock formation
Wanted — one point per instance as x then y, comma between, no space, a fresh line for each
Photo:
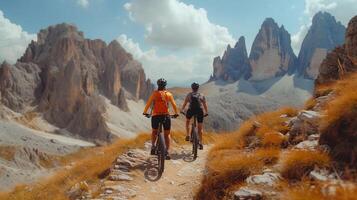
65,74
323,36
234,63
342,59
351,40
19,84
271,54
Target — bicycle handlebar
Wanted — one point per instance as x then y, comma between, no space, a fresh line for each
149,116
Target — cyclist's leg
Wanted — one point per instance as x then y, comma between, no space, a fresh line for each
167,128
188,120
167,139
200,125
188,126
155,121
153,136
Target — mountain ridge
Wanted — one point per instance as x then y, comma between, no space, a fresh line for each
272,56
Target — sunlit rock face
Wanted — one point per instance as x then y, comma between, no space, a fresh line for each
323,36
234,64
65,75
271,54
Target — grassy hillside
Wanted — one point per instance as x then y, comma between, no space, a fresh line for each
262,142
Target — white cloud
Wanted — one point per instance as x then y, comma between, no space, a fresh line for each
83,3
13,40
178,29
343,10
177,70
297,38
176,25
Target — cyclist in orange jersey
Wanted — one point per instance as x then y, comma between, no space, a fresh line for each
160,99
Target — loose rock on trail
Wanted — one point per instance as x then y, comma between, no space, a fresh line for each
132,176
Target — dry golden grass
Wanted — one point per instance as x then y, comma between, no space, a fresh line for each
272,121
310,103
345,101
268,155
228,164
180,90
323,90
338,126
296,164
88,165
226,168
273,139
7,152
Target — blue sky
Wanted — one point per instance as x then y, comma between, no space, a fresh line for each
159,33
106,19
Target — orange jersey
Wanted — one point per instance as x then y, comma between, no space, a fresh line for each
161,99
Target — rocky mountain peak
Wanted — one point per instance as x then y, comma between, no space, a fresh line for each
324,35
58,32
234,63
65,77
271,53
241,45
269,22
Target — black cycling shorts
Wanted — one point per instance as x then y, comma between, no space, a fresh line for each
199,113
165,119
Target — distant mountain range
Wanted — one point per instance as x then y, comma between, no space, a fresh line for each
272,56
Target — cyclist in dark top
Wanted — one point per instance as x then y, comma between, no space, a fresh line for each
197,106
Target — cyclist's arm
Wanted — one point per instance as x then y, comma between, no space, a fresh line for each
184,104
148,104
205,105
173,103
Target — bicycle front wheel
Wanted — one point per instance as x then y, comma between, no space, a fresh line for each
194,142
161,153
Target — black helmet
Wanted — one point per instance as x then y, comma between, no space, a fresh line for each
161,83
195,86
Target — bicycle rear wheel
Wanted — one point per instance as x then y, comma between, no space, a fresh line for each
161,155
194,142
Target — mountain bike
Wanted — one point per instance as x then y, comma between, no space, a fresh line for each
194,139
160,146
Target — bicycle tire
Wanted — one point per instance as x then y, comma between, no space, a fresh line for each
194,142
161,152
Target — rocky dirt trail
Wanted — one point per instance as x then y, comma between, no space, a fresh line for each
132,176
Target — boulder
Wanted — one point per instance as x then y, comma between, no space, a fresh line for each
307,145
267,178
120,177
133,159
246,193
303,125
